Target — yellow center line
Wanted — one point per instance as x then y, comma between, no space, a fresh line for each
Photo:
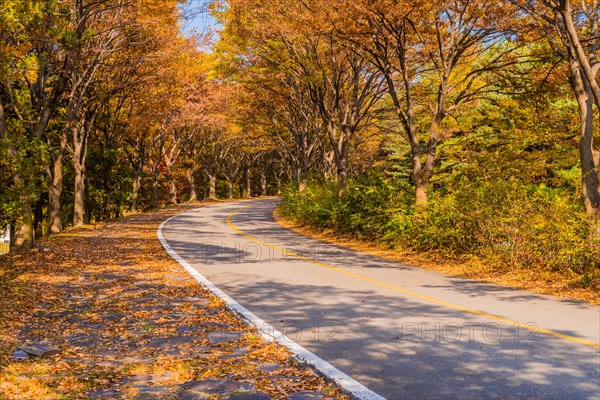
430,299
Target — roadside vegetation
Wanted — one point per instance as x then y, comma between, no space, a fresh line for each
504,232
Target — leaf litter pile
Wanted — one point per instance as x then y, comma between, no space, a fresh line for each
103,312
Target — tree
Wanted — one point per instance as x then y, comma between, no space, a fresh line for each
433,58
340,86
74,73
572,32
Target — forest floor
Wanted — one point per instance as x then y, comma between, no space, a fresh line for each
554,283
110,315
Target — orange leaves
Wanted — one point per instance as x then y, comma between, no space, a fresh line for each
127,319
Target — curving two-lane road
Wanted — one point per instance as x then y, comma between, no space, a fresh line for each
402,331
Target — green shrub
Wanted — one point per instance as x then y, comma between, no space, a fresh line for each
375,209
506,221
313,206
524,226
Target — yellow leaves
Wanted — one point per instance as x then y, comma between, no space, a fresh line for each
118,289
271,350
216,302
38,381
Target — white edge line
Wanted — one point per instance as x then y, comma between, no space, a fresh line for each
267,331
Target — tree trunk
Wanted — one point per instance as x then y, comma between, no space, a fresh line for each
298,177
421,199
192,183
248,184
172,192
577,48
340,151
263,184
137,183
55,181
328,161
342,175
405,112
596,225
79,201
278,185
38,219
589,162
23,238
107,203
295,173
230,183
212,181
170,162
339,147
54,204
596,154
24,234
106,206
155,189
424,173
80,135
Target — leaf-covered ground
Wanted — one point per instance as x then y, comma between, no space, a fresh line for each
130,323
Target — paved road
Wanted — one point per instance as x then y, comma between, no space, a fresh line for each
403,332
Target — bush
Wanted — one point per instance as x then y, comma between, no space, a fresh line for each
507,221
375,209
371,208
523,226
313,206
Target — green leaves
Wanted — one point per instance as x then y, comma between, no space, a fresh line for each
504,222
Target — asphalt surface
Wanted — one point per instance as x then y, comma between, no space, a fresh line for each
404,332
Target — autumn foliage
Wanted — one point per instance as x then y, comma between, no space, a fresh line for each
473,112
